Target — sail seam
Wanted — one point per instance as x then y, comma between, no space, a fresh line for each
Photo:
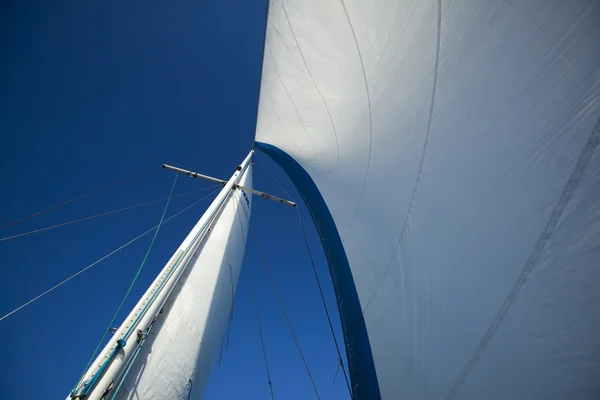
364,74
421,163
576,175
397,39
232,307
337,145
290,97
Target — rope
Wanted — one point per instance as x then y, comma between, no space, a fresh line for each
103,214
76,199
337,347
137,352
103,258
287,319
137,274
272,176
337,369
221,352
262,340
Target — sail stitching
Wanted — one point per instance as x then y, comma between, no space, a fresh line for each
389,35
421,163
232,307
536,253
289,96
337,145
364,74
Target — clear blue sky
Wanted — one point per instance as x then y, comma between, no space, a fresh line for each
91,92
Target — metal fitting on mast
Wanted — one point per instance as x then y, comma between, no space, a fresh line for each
222,181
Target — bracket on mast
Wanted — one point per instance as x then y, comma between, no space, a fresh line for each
223,182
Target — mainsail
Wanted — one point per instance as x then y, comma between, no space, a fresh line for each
447,152
167,345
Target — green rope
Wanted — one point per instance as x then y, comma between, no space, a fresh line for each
130,286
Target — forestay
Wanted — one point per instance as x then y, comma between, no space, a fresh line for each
179,358
178,352
454,144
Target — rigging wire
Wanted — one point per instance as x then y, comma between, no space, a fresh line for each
47,228
262,340
137,274
221,352
336,372
280,301
104,257
312,261
78,198
314,268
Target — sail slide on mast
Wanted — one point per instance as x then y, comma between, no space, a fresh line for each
172,336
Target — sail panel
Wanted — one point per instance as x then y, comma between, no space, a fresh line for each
184,342
454,145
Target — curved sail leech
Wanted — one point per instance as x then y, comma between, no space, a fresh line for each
356,340
492,145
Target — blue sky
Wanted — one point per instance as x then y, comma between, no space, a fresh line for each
92,92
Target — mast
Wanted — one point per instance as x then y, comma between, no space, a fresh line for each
110,368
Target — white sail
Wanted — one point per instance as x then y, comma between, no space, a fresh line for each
178,352
182,353
447,150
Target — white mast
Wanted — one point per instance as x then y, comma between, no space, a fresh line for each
116,360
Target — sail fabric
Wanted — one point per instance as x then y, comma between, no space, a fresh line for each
453,144
176,359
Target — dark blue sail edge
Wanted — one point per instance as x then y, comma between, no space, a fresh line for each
358,348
